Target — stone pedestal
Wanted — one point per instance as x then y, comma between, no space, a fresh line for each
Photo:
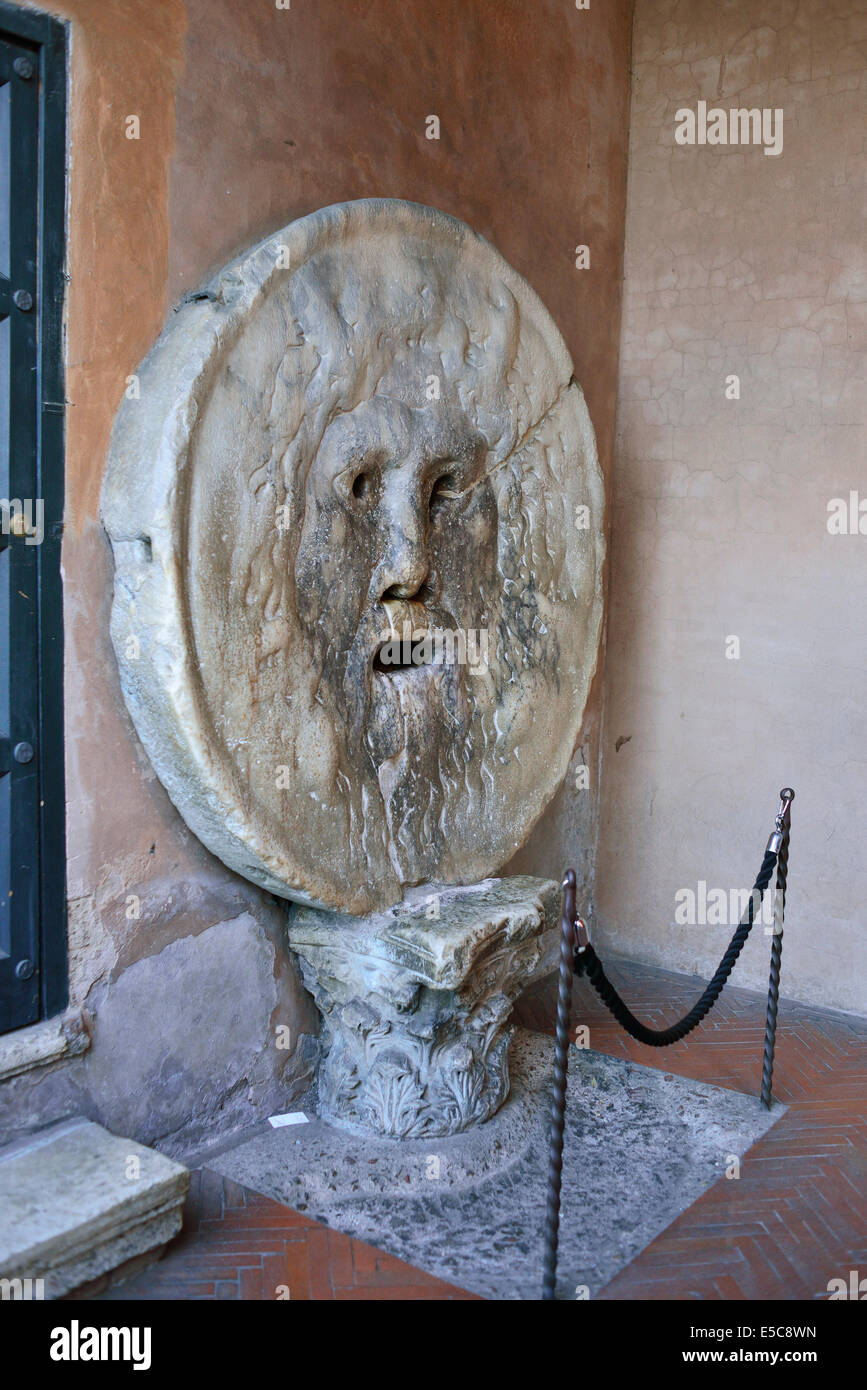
416,1002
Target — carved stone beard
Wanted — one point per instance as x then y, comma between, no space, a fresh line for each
405,709
390,721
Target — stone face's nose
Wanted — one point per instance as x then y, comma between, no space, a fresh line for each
405,565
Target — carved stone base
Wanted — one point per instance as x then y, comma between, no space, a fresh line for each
416,1002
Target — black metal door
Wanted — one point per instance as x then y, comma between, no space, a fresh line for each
19,537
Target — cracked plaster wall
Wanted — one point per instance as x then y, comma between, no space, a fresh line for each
740,263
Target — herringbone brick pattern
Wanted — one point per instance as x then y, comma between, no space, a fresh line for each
797,1215
237,1244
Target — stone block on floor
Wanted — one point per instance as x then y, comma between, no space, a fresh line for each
77,1202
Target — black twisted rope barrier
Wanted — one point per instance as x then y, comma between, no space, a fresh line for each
577,957
590,965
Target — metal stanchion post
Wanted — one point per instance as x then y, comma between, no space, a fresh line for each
558,1103
779,841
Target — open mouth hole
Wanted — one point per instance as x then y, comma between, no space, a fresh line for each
392,657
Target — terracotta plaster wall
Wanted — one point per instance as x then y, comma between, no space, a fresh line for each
753,265
177,963
251,116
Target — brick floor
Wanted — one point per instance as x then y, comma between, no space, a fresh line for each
797,1215
795,1218
237,1244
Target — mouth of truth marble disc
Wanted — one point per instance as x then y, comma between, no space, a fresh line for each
357,523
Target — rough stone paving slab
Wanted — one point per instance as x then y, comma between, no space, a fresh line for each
641,1147
73,1205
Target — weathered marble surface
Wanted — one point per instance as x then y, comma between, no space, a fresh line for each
76,1202
370,421
416,1003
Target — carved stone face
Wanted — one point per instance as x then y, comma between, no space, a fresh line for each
370,614
401,493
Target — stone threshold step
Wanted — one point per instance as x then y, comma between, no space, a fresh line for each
77,1202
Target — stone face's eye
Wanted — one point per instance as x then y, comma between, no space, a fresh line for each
445,486
359,485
